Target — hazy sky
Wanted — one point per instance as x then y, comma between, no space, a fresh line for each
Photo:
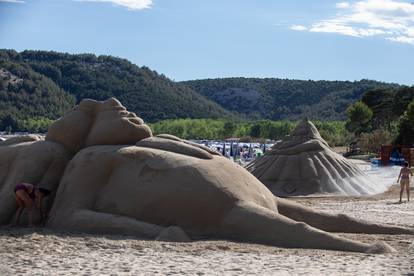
192,39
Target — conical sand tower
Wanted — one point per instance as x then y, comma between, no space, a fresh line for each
304,164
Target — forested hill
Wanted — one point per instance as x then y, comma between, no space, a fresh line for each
27,96
283,98
47,83
38,86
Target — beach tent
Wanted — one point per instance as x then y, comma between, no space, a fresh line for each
304,164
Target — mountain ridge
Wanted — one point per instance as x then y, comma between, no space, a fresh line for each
44,84
151,95
278,99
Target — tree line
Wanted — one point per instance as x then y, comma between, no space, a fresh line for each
333,131
37,87
383,116
285,99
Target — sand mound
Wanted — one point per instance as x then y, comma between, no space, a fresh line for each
40,162
304,164
20,139
173,234
121,180
156,186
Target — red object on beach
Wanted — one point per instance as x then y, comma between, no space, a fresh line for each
385,154
406,151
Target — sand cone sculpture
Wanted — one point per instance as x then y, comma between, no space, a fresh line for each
304,164
110,175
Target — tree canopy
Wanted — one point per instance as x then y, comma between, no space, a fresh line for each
359,116
284,99
37,87
384,113
69,78
26,94
406,126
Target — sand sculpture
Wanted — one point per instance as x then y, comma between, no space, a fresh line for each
304,164
98,123
163,186
28,159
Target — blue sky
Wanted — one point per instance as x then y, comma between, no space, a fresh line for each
187,39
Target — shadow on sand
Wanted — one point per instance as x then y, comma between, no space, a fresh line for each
396,203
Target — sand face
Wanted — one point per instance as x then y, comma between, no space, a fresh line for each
41,251
121,180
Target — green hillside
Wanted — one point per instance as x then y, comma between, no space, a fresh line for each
152,96
39,86
279,99
27,96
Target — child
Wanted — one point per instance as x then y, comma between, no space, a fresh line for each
28,195
405,180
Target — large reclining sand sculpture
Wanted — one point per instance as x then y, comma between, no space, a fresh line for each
148,184
304,164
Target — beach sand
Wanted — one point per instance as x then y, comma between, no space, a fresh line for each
45,252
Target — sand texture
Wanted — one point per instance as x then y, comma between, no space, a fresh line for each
304,164
108,175
140,190
46,252
32,161
97,123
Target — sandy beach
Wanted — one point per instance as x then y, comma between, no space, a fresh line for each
43,252
146,137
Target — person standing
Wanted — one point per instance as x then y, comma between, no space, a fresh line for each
404,175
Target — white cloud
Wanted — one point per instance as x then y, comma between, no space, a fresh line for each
341,28
389,19
298,28
402,39
130,4
13,1
342,5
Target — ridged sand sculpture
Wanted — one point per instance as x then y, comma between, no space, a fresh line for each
109,174
304,164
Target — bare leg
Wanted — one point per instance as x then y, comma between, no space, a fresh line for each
20,208
42,212
407,186
250,222
18,214
95,222
401,190
334,223
28,204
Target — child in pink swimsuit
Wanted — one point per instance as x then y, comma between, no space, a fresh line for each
405,181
